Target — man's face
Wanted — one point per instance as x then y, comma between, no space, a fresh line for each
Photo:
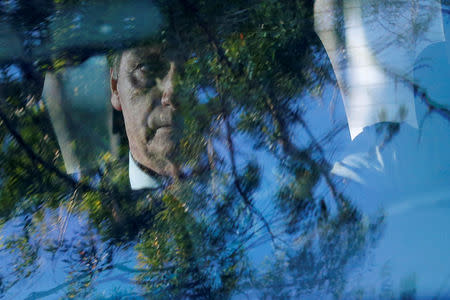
143,91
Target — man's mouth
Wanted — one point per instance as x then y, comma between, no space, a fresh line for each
161,143
158,133
164,128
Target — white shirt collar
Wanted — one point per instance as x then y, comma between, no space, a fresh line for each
138,178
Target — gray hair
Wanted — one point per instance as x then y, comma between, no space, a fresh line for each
114,60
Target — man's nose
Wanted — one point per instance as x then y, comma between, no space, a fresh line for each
167,87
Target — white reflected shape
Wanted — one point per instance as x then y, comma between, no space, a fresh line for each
350,167
373,60
415,203
52,94
77,99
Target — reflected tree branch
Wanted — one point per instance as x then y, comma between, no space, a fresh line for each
192,10
34,156
290,149
111,194
432,105
237,183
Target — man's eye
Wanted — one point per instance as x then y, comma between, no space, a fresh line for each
144,75
147,73
144,68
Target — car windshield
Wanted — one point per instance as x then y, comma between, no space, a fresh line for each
187,149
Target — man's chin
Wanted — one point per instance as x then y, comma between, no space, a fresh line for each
159,159
157,154
166,168
159,165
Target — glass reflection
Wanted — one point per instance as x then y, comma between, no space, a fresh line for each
202,166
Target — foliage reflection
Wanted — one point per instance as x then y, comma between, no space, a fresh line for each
247,73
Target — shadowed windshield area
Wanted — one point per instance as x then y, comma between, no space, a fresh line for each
224,150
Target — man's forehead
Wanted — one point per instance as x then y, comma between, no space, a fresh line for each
142,52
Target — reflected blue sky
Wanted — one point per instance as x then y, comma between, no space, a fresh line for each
406,178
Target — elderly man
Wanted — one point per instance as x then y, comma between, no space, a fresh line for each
142,89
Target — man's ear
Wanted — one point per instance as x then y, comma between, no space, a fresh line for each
115,100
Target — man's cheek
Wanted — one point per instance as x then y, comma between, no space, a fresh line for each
149,133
